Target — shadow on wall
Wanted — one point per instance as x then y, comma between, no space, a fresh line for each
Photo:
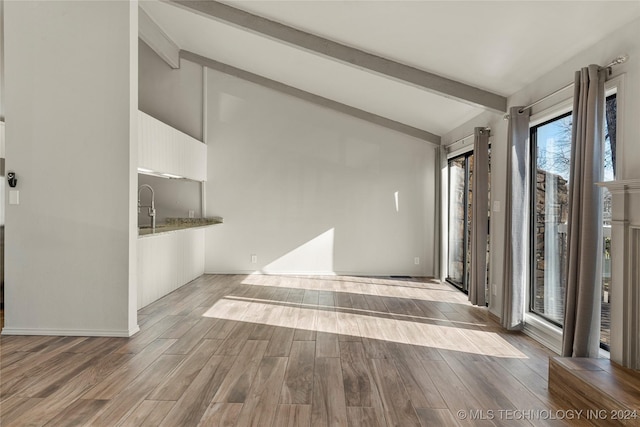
327,253
315,255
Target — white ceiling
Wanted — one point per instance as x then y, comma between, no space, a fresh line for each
500,46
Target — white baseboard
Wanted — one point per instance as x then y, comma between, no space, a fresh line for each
309,273
297,273
70,332
275,273
247,272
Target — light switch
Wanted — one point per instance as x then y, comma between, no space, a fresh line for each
496,206
14,197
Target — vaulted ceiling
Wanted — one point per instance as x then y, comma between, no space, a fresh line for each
427,66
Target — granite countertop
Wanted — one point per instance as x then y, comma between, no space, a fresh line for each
177,224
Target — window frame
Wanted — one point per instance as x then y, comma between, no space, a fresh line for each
535,326
465,153
533,147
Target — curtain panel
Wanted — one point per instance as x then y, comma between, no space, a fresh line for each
581,332
517,202
480,217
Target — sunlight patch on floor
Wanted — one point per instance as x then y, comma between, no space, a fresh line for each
364,325
377,287
397,316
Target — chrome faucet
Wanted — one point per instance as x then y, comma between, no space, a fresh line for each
152,207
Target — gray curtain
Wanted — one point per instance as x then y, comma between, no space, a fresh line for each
479,217
581,332
515,270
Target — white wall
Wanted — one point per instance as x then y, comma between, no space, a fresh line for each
625,40
71,103
1,60
310,190
173,96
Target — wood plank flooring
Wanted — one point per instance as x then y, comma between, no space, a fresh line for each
236,350
600,386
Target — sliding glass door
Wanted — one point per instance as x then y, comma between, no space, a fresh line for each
551,144
551,148
611,113
460,199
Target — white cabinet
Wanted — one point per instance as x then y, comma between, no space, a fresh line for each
163,149
167,261
190,244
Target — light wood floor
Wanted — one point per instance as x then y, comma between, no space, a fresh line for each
284,351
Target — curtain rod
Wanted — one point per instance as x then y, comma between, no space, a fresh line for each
466,137
619,60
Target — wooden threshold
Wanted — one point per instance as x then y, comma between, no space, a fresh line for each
608,393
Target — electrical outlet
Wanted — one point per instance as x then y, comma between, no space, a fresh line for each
254,259
416,260
494,289
192,214
496,206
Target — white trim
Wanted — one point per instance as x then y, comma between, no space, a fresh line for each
462,150
299,273
71,332
621,186
616,84
462,145
544,332
631,295
634,335
549,113
535,326
247,272
316,273
282,273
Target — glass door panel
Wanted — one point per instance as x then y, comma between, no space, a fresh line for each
460,173
609,175
457,203
552,145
